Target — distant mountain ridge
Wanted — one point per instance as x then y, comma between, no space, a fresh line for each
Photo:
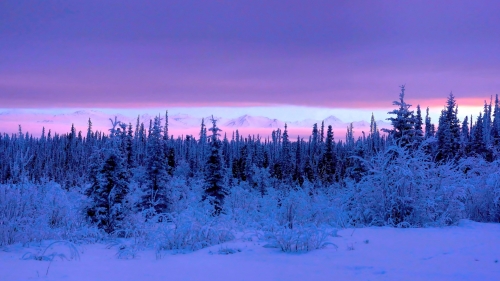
177,121
248,121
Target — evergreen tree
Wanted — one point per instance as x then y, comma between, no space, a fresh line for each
465,135
129,147
403,123
374,138
297,175
419,133
349,137
108,191
214,189
286,157
373,125
449,131
202,145
495,128
171,164
165,130
487,123
314,143
478,146
322,131
328,161
429,130
155,192
241,163
89,131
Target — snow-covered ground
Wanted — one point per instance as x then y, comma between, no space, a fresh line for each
469,251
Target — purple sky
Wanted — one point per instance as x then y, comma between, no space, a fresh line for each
349,54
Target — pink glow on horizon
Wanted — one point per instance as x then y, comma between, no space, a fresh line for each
35,128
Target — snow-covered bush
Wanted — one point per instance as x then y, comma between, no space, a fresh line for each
183,194
406,189
31,212
248,208
294,208
63,250
192,233
301,238
297,220
482,192
242,206
190,230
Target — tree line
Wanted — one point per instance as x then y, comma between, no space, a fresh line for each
144,159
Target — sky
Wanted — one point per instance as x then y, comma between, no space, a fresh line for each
342,58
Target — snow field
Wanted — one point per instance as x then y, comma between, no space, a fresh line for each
469,251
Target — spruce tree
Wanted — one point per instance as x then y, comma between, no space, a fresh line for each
89,131
349,137
465,135
286,157
419,133
487,123
155,197
328,161
373,125
495,128
109,188
165,130
322,133
129,147
449,131
171,163
403,123
314,152
242,163
201,156
429,131
478,146
297,175
374,137
214,189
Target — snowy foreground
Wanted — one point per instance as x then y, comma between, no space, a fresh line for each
469,251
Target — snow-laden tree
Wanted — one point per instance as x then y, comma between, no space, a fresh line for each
495,127
478,145
429,127
214,186
286,155
155,198
419,132
448,133
328,161
403,122
108,193
109,185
